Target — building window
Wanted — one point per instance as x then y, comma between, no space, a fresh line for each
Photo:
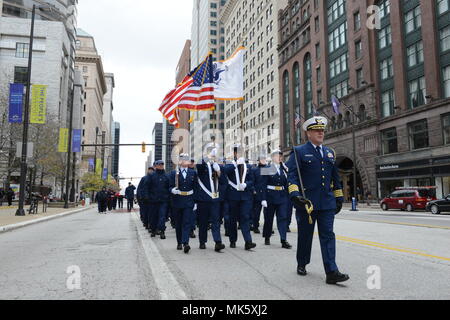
413,20
417,92
359,77
85,69
340,89
338,65
443,6
446,128
387,103
21,75
287,123
418,134
445,39
317,50
415,54
385,8
318,75
316,24
358,49
357,21
22,50
386,69
389,141
336,11
446,79
338,37
385,37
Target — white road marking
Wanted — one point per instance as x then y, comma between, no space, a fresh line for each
168,286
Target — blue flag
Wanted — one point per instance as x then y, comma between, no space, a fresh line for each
16,102
76,140
105,174
336,104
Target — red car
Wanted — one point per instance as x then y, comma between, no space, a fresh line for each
409,198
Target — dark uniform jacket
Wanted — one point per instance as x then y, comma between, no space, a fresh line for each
271,181
320,176
129,192
204,173
156,187
258,182
231,171
185,185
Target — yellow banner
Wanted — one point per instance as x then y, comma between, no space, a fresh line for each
38,104
63,140
99,167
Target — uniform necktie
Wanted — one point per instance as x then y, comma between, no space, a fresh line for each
184,173
319,149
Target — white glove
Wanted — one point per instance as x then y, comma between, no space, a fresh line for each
216,167
213,153
241,161
264,204
175,191
243,186
195,207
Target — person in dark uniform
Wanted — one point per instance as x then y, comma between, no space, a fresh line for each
315,190
102,200
10,196
240,197
290,205
257,199
157,188
208,198
143,198
274,195
120,200
224,205
194,215
182,183
129,194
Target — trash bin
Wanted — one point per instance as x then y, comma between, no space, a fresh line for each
354,204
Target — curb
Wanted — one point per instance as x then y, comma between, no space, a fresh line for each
12,227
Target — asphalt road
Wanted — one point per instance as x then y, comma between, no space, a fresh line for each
117,259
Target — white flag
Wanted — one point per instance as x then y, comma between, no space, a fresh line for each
229,77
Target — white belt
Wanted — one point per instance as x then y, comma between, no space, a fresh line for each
186,193
275,188
209,193
235,186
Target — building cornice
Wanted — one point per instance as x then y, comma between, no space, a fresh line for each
227,10
98,61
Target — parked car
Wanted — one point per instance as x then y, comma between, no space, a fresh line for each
409,198
438,206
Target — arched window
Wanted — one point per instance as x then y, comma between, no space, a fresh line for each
340,122
308,85
286,98
296,83
362,113
347,120
333,123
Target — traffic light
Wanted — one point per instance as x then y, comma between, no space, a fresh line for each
143,147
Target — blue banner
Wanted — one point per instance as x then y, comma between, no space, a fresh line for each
76,140
105,174
91,165
16,102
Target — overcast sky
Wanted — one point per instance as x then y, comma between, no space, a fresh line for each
140,41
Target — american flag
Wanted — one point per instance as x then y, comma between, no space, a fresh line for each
195,93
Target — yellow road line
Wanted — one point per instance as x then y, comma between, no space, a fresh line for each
399,223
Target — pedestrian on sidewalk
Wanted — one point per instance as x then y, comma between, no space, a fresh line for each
10,195
2,195
129,194
120,200
102,198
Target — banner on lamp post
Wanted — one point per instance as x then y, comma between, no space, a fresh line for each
16,102
76,141
38,113
105,174
98,167
63,145
91,165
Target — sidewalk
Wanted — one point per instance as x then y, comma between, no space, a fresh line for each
9,220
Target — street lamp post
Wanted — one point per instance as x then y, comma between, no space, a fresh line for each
69,151
23,160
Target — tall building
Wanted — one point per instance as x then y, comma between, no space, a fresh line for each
157,140
206,36
108,123
183,68
116,150
398,95
253,24
89,63
167,145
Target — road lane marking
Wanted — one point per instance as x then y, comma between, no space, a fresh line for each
398,223
168,286
390,247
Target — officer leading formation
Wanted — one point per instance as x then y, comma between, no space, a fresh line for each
232,194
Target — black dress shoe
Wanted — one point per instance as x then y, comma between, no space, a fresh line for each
267,242
158,233
335,277
233,245
219,246
153,234
286,245
202,246
256,231
192,235
179,247
301,270
163,235
187,248
250,245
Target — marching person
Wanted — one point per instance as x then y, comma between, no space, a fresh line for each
194,215
129,194
290,205
157,187
240,197
257,200
224,205
315,190
143,198
208,199
274,195
182,183
102,198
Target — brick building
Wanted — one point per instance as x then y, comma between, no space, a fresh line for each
395,77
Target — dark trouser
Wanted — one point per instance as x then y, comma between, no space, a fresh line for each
183,224
290,209
225,214
269,213
9,202
209,211
144,211
157,216
114,204
256,216
325,222
130,204
120,200
240,211
102,206
194,220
